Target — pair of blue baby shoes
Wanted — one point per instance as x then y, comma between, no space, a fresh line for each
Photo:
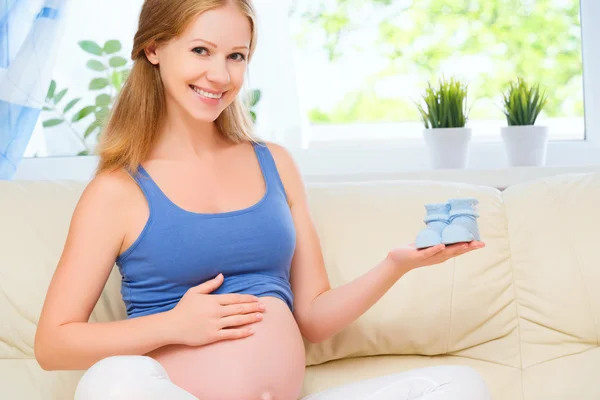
452,222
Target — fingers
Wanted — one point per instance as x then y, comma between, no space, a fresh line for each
431,251
462,248
239,320
235,298
234,333
452,250
241,308
208,286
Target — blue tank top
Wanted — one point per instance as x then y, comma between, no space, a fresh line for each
178,249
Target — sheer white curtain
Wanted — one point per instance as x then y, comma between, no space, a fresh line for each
279,116
28,39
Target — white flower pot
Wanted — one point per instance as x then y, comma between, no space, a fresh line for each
448,147
525,145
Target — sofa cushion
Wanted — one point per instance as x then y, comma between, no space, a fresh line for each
553,233
34,218
503,382
571,377
464,306
23,379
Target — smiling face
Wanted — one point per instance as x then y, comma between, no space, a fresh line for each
203,69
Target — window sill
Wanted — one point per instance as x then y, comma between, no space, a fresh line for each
408,159
81,169
499,178
352,161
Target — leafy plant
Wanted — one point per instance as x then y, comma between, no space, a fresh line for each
445,105
113,70
252,100
523,102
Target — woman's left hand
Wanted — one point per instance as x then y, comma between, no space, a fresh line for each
409,257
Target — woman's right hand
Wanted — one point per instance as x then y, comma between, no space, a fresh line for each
201,318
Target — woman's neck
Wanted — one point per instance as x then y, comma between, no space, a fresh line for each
183,138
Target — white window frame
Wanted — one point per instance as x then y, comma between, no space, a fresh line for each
407,158
396,157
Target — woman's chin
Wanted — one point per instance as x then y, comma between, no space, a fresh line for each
203,116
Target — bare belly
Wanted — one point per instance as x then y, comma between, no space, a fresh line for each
269,365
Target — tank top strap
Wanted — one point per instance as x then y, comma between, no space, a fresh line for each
269,168
150,189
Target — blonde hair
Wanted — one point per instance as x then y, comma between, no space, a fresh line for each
139,110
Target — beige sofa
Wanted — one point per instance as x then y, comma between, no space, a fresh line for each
524,311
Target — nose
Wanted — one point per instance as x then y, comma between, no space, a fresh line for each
218,72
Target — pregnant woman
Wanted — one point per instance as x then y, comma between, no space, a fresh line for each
222,270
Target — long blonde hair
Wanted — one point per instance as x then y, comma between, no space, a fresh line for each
139,110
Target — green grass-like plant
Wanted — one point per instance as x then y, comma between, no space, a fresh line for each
445,105
523,102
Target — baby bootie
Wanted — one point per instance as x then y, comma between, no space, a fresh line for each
463,222
436,220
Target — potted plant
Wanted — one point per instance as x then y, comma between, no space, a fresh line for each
445,117
111,70
525,143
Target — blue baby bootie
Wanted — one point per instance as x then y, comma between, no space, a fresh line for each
463,222
436,220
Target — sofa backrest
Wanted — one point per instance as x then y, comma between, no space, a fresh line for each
464,306
532,295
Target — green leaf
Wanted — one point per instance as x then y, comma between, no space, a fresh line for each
103,100
117,80
112,46
58,97
254,97
102,114
98,83
84,112
52,122
445,105
83,153
71,104
51,89
91,47
523,102
253,116
46,108
117,61
90,129
96,65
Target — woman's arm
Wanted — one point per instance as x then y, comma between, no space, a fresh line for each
64,339
319,310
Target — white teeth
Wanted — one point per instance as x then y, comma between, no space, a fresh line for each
206,94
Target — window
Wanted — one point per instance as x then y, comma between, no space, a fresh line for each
361,64
340,78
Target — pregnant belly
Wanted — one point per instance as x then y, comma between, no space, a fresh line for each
269,365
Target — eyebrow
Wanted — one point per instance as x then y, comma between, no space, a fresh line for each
215,46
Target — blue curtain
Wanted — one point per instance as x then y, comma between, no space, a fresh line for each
29,31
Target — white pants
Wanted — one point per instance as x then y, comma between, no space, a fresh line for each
143,378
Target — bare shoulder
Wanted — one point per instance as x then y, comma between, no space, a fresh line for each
109,188
280,154
111,196
288,171
284,160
